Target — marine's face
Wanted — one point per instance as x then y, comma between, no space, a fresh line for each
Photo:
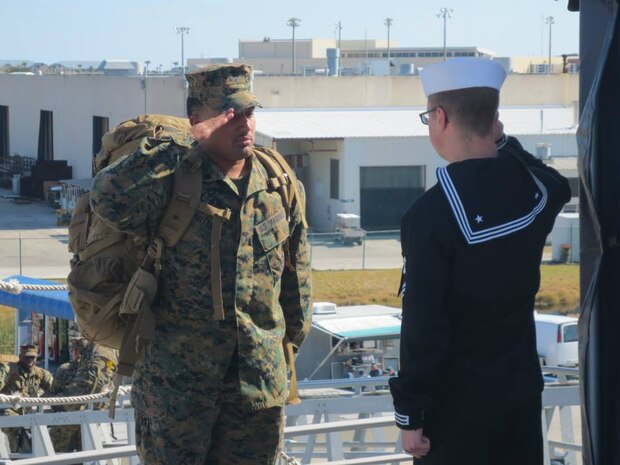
234,140
27,362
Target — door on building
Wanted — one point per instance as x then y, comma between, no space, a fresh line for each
386,192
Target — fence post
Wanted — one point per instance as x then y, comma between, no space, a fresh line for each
20,254
364,252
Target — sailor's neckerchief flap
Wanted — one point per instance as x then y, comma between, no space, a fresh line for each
489,200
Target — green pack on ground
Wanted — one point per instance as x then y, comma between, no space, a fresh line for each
113,277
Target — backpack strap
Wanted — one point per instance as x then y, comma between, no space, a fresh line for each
282,178
185,200
180,209
289,357
220,216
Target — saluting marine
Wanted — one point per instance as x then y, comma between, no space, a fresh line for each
468,390
212,384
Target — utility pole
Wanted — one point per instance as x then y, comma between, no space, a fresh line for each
445,13
549,20
388,22
182,30
293,23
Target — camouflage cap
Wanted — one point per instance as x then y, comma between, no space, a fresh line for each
222,87
28,350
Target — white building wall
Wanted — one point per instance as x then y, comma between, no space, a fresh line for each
566,232
74,100
388,151
321,209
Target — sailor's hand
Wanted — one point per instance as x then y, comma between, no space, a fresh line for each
203,131
415,443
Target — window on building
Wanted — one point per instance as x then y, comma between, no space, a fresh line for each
297,160
46,136
334,179
4,131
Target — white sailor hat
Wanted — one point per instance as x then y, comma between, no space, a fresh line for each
462,73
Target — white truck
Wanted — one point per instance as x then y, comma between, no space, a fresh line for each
557,340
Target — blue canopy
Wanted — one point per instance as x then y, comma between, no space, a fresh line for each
51,303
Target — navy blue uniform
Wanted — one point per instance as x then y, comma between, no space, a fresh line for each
472,247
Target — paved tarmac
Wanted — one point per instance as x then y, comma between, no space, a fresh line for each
31,243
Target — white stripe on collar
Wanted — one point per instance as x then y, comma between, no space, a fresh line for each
490,233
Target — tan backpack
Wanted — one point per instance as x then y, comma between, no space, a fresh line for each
113,277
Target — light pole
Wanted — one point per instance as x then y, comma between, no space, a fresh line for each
146,74
182,30
293,23
550,22
445,13
339,29
388,22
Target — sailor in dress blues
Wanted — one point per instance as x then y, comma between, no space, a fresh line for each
468,389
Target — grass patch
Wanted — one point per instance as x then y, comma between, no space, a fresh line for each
559,287
7,330
355,287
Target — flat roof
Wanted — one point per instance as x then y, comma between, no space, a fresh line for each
362,327
360,322
398,122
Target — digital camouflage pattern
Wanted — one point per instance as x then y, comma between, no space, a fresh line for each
93,372
64,438
15,380
228,436
222,87
263,299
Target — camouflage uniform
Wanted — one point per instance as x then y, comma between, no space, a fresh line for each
15,379
92,373
208,390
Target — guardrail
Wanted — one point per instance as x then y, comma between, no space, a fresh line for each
333,423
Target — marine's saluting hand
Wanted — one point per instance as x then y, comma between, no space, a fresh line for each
203,130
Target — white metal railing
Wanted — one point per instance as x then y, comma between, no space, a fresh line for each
334,423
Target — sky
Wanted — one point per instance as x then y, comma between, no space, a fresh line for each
49,31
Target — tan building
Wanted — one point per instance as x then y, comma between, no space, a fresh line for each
368,58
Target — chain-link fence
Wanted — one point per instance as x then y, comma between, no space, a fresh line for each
374,250
47,257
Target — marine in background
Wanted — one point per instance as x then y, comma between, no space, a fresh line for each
26,379
91,371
